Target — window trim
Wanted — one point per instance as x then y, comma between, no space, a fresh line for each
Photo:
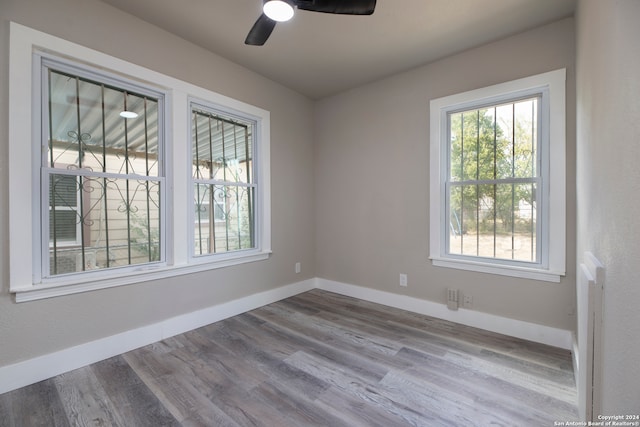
553,139
24,168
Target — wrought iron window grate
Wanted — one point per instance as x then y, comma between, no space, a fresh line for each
493,180
224,188
102,172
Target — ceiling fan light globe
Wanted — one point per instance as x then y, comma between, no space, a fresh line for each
278,10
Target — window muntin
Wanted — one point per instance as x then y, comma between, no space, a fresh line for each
101,175
224,187
493,181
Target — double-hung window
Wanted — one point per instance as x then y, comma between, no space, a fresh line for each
101,170
224,185
497,178
120,174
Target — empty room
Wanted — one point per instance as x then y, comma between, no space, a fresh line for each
319,212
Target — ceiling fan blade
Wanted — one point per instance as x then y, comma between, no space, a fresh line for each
260,31
344,7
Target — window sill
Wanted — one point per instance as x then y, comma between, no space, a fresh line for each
81,283
502,270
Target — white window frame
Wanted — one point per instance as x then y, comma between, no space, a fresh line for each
552,237
222,111
24,164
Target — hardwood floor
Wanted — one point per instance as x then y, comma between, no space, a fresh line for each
316,359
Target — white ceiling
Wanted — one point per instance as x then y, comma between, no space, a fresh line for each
320,54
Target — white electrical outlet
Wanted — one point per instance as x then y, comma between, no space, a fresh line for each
467,302
403,280
298,268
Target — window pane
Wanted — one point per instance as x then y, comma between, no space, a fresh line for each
525,138
87,131
486,221
201,148
63,224
232,209
143,222
525,225
470,145
204,230
221,148
238,202
455,220
486,143
499,221
455,158
464,220
118,222
63,191
63,209
493,149
62,120
504,141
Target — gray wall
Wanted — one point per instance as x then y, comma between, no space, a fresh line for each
369,216
608,182
372,179
35,328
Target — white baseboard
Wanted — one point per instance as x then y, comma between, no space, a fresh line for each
40,368
43,367
490,322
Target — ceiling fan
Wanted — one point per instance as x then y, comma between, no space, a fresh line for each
282,10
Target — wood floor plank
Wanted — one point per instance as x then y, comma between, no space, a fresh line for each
442,409
323,342
249,409
356,412
265,351
464,377
364,389
167,386
298,410
135,402
35,405
315,359
84,400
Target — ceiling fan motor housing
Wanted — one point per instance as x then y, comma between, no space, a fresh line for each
264,26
